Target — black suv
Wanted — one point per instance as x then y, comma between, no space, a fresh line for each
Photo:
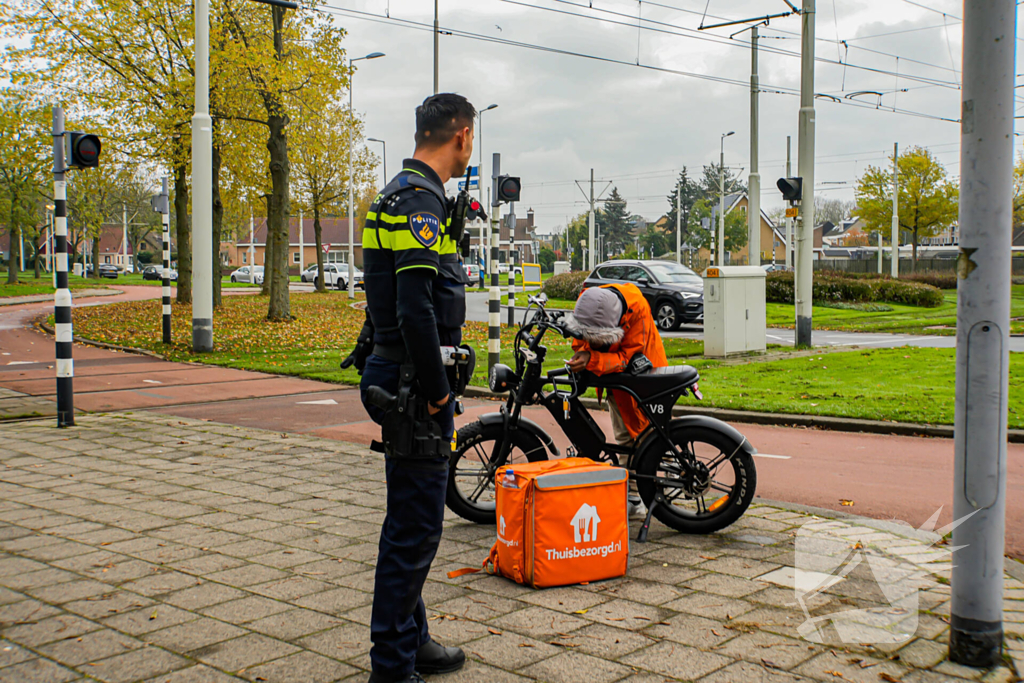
675,293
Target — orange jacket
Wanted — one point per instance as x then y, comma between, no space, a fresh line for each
640,334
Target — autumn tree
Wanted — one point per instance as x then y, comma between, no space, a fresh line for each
735,226
272,59
321,146
928,200
131,60
690,192
25,143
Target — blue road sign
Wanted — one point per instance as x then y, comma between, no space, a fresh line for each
473,184
474,171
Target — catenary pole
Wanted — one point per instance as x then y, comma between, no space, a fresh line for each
437,33
721,206
982,331
202,188
789,221
165,220
805,237
754,181
894,266
494,303
679,225
62,296
590,226
252,249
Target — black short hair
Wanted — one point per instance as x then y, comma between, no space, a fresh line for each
440,117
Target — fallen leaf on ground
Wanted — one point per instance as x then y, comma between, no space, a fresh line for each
888,678
845,502
494,631
769,664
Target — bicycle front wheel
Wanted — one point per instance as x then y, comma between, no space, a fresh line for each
471,494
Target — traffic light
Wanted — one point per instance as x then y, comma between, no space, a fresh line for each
508,188
82,150
792,188
476,211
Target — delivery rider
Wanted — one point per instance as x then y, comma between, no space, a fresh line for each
415,295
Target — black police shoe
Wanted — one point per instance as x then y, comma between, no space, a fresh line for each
433,658
411,678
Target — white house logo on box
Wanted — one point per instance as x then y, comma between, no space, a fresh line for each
584,526
501,533
584,523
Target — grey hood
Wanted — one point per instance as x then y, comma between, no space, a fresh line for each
595,336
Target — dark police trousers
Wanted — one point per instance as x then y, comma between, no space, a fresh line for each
409,538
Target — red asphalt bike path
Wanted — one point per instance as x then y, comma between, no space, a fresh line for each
886,477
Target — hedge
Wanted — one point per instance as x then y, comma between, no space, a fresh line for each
943,279
565,286
831,287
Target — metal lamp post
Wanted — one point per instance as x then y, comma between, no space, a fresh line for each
721,200
351,183
480,181
383,157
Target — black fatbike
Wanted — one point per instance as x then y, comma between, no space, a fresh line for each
694,473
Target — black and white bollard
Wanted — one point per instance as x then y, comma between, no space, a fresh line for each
165,217
62,297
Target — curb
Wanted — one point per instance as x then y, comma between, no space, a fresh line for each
837,424
44,298
103,345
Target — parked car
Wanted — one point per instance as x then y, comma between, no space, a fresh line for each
776,267
675,293
503,268
472,271
107,270
250,274
309,274
157,273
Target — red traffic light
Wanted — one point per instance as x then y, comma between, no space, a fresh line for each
509,189
82,150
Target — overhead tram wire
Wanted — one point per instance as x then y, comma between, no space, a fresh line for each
694,34
777,90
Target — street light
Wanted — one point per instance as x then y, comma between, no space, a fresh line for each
721,200
351,182
383,156
480,184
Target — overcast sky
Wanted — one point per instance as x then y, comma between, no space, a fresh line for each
561,115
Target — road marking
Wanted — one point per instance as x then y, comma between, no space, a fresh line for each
22,362
152,381
324,402
773,457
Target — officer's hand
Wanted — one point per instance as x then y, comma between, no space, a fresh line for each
579,361
434,411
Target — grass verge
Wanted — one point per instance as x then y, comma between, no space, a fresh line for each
905,384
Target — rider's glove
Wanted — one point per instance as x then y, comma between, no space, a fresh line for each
640,364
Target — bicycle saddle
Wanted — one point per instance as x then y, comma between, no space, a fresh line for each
652,383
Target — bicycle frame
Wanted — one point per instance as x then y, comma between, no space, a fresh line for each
572,416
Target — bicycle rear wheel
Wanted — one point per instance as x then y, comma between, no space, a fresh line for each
718,492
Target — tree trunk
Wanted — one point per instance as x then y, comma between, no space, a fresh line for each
96,255
13,262
35,254
913,258
218,221
277,144
317,230
183,235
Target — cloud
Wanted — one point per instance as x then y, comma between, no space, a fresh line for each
560,115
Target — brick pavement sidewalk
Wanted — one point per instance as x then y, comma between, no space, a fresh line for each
149,548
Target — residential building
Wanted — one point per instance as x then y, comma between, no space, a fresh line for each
772,238
301,247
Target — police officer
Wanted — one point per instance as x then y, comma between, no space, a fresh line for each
415,293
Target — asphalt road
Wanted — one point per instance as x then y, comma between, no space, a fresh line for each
477,303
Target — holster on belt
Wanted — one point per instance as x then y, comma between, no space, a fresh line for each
408,430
